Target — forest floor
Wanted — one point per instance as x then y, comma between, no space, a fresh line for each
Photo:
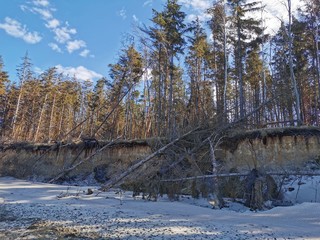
32,210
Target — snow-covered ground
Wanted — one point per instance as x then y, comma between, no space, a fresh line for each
30,210
300,189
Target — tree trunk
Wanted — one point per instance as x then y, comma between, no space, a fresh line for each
66,171
225,66
170,102
239,56
61,121
51,118
264,82
40,118
159,118
15,116
293,79
317,62
218,200
134,167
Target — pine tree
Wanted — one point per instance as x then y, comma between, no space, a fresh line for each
24,74
311,17
48,81
4,78
218,26
197,61
292,75
126,73
167,37
281,80
253,69
4,81
248,33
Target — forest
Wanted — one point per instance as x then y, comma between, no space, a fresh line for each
172,76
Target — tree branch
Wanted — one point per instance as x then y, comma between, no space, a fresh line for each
134,167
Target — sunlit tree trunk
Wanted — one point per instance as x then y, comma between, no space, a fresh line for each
40,118
50,135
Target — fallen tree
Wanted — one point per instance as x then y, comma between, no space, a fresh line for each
223,175
215,136
134,167
66,171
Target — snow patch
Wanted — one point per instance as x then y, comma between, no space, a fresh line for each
35,211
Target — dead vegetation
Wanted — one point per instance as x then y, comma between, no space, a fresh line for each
185,165
233,138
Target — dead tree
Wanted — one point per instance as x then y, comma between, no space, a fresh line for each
216,200
66,171
134,167
216,134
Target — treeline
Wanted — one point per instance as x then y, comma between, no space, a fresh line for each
173,77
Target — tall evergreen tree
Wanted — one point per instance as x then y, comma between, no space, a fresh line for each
197,62
24,73
292,75
126,73
247,33
253,69
311,17
218,25
167,36
4,81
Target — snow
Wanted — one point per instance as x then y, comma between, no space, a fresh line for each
303,189
32,210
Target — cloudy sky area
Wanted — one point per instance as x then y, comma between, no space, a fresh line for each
82,37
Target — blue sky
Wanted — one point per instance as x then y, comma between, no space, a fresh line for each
79,36
74,35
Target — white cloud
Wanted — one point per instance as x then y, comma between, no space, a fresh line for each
279,7
275,12
147,75
85,53
24,8
15,29
55,47
79,72
52,23
147,3
38,70
123,13
43,3
197,8
63,34
45,13
202,17
75,45
32,37
198,5
191,17
135,18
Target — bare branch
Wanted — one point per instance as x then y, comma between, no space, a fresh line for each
64,172
221,175
134,167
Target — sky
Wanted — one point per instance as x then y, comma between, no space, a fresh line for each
81,37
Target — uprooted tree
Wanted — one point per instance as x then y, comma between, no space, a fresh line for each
171,166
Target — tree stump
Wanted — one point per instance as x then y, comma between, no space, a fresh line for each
259,189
